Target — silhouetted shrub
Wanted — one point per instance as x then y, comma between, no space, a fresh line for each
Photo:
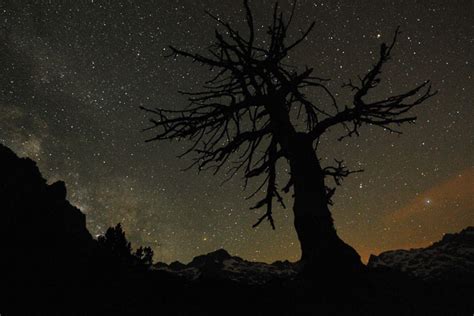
144,256
115,243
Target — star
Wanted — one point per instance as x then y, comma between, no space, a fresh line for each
71,86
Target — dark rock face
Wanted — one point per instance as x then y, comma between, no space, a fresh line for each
50,264
450,259
175,266
216,257
57,191
29,203
38,224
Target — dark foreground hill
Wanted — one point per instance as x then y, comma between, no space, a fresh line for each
50,264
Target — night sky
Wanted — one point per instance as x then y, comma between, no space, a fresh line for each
74,75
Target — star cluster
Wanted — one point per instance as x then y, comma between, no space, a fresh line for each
74,75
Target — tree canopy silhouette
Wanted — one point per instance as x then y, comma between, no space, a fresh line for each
115,243
254,112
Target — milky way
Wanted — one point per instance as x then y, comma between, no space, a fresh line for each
73,76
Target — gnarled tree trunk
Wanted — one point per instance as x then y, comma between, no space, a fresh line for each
252,96
321,247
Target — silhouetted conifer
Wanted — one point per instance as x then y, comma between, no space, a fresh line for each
116,244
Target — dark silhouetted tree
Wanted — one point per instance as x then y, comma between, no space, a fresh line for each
256,110
116,244
144,255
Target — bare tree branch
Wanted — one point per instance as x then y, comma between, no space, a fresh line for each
243,116
384,113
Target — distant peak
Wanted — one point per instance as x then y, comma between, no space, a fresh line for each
212,258
468,230
219,253
449,259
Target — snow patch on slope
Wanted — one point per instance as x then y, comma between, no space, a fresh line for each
450,259
222,266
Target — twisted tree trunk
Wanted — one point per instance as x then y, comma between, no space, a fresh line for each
321,247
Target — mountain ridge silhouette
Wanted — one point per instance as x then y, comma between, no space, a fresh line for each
449,259
52,264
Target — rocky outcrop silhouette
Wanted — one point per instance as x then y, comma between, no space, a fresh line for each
44,235
32,210
450,259
50,261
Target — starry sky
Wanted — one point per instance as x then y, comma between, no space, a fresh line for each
73,75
